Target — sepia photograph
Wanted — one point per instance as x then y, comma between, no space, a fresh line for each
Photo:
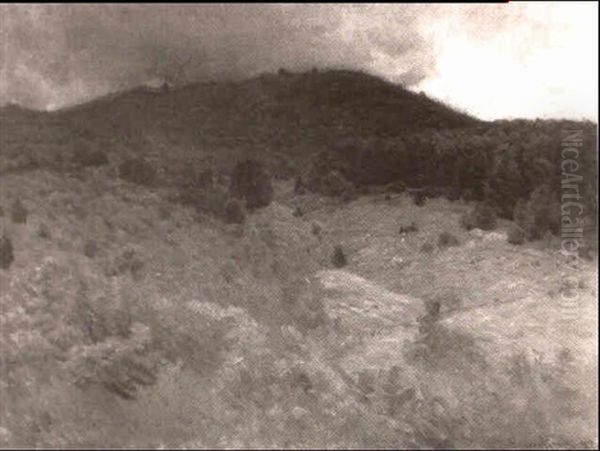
299,225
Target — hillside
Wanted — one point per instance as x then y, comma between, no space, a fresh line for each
136,313
267,116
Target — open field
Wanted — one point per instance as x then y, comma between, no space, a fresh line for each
130,321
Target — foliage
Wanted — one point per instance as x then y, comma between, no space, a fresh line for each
446,239
90,249
338,259
482,217
249,181
234,212
411,228
516,235
44,231
540,213
427,248
139,171
18,212
419,198
127,262
299,187
86,157
6,252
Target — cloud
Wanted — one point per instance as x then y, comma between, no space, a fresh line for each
56,55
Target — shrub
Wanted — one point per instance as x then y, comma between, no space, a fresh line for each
127,262
234,212
516,235
539,214
90,249
397,187
449,299
299,187
339,259
44,232
586,252
19,212
335,184
467,221
482,217
205,179
315,229
89,158
121,364
298,213
447,239
6,252
138,171
427,248
467,195
250,181
419,198
349,194
304,306
193,185
212,201
411,228
452,194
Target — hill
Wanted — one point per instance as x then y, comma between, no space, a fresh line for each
268,115
134,314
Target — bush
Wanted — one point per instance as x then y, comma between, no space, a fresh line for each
19,212
411,228
138,171
6,252
427,248
298,213
299,188
315,229
587,252
482,217
335,184
127,262
516,235
89,158
193,185
212,201
234,212
452,194
396,187
419,198
303,304
339,259
447,239
467,221
250,181
349,194
90,249
44,232
539,214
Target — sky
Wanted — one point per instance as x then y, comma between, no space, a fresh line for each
493,61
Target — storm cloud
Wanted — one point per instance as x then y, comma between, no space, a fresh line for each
56,55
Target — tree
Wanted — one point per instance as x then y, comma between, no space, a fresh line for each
251,182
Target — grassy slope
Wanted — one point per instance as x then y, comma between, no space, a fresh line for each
228,382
